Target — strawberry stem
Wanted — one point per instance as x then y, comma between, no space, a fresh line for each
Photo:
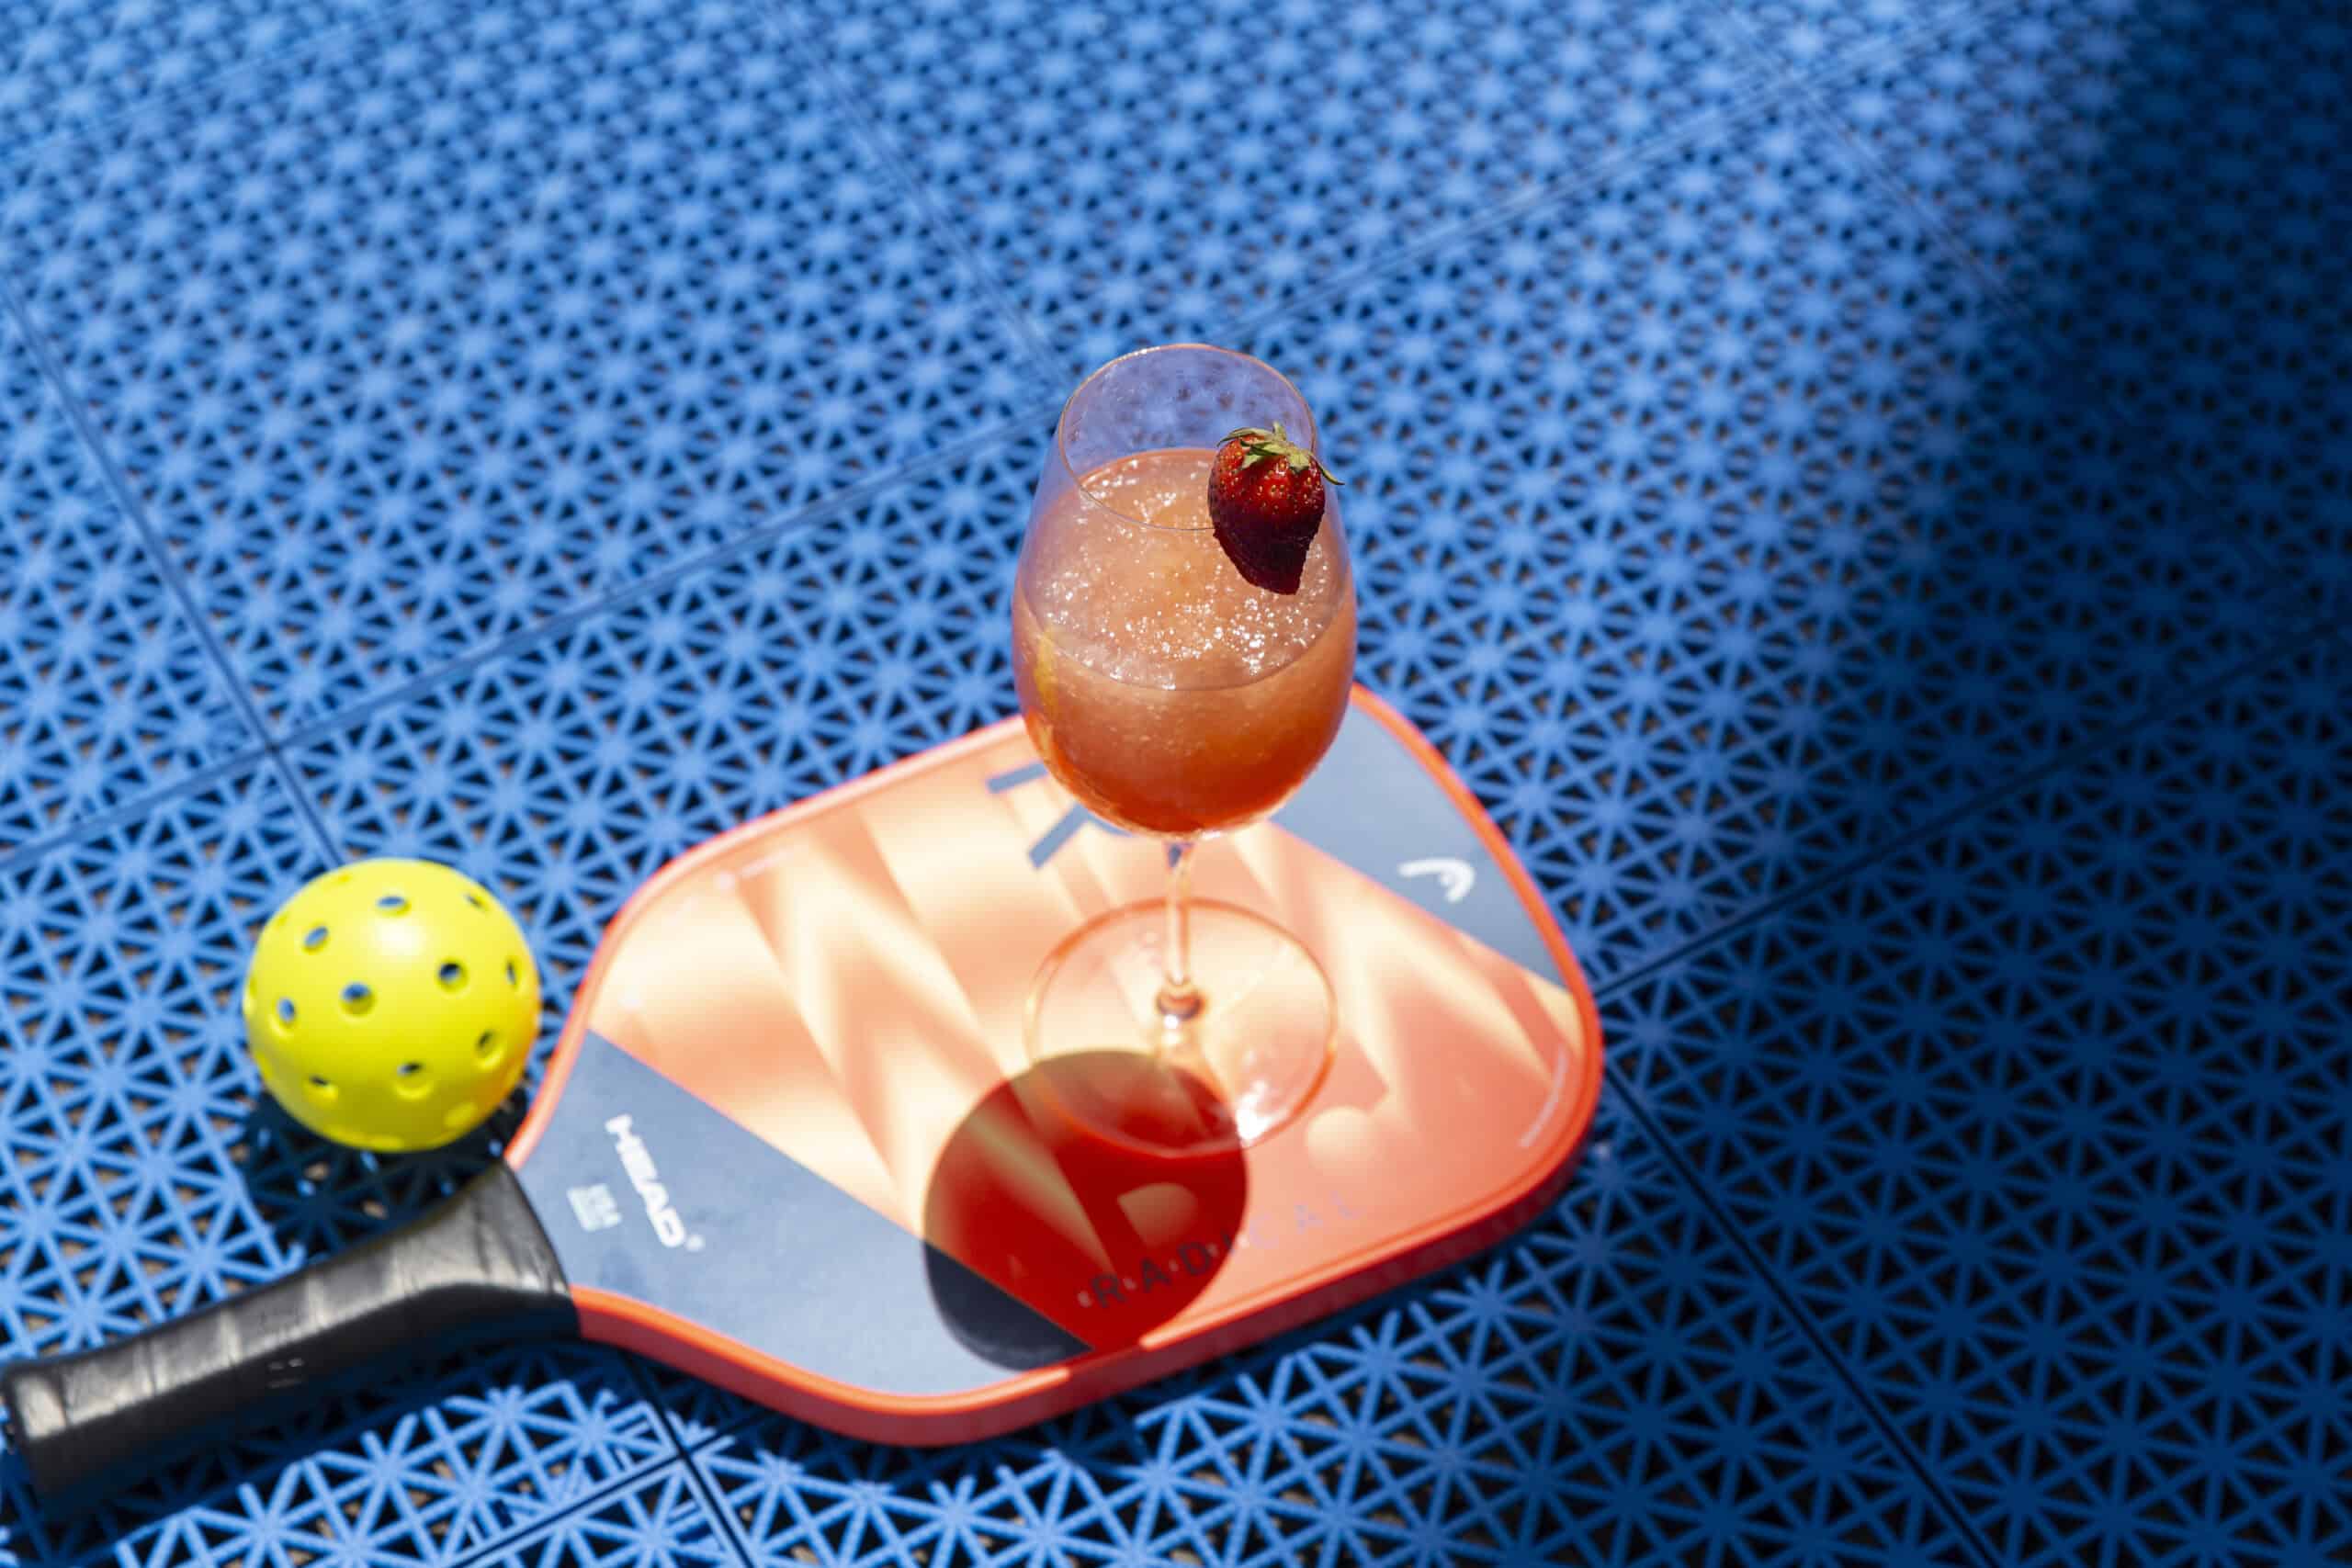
1260,445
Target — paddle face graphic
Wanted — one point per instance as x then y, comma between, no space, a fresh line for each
797,1147
790,1140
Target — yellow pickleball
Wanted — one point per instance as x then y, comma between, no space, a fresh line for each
392,1004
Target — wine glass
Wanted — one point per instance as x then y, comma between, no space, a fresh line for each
1176,700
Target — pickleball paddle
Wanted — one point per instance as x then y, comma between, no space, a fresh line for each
790,1142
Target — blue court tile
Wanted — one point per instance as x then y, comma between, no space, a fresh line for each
66,63
2044,1121
411,342
1136,178
659,1522
570,769
435,1464
1609,1387
1716,529
124,1084
2169,189
105,691
697,1411
2002,131
1811,35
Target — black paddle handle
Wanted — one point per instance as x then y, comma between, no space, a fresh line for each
478,1262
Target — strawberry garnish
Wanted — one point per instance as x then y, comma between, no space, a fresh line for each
1266,502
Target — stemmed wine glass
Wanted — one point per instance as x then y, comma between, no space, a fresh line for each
1177,700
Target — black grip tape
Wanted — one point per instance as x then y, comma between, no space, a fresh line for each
477,1263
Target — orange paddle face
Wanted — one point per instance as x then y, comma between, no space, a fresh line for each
791,1140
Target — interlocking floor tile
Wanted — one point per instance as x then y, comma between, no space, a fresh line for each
1138,177
64,62
1611,1387
2169,187
124,1084
1809,35
2044,1121
1716,530
698,1411
659,1523
105,691
566,772
485,314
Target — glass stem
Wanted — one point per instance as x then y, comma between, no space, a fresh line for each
1180,999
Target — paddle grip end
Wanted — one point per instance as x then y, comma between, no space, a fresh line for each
477,1262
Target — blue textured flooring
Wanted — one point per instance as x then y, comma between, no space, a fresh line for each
1862,489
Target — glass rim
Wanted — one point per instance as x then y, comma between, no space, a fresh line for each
1061,420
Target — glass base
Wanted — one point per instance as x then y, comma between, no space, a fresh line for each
1235,1074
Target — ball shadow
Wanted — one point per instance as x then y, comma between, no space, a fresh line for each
1104,1241
317,1196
